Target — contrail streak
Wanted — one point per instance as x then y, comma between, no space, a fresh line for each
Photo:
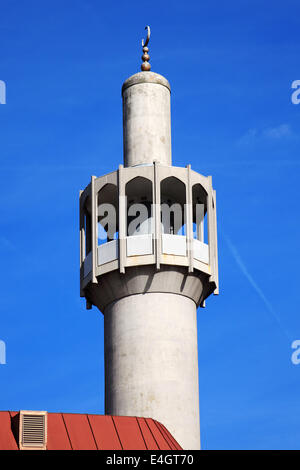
252,282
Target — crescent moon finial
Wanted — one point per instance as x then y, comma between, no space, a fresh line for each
146,67
144,44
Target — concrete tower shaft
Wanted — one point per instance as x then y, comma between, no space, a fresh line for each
151,362
146,120
151,356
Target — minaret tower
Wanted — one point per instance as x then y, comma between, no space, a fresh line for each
148,259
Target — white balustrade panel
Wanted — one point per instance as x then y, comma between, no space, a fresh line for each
108,252
201,252
174,244
139,245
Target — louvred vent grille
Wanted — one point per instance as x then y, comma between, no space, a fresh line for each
33,430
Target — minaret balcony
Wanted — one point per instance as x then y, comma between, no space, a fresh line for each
151,214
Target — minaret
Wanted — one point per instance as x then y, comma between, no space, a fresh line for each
148,259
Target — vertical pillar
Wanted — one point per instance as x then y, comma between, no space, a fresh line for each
210,230
122,220
216,291
189,220
94,230
82,241
157,211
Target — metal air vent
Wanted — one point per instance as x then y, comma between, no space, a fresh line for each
33,430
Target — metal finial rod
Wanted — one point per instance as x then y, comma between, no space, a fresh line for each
146,67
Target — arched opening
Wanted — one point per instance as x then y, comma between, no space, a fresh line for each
173,200
87,226
173,216
108,214
199,213
107,224
86,236
139,206
200,234
140,217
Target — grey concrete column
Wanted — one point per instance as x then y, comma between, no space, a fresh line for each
94,236
146,119
151,362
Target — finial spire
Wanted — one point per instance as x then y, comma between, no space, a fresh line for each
146,67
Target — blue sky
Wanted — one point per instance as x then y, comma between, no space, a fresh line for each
231,65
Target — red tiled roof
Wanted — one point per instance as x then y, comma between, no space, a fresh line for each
67,431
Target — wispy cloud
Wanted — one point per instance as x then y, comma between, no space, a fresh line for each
279,132
282,131
248,138
255,286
